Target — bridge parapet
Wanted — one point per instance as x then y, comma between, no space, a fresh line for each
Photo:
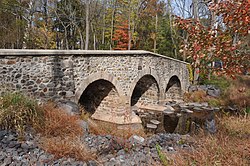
115,80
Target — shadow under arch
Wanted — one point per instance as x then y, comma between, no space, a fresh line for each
99,93
173,88
146,91
94,77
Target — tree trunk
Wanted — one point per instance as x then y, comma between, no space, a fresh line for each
196,70
156,29
171,27
103,29
87,25
129,27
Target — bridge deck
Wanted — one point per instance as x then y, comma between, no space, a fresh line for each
29,52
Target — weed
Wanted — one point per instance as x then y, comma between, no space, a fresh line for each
161,155
214,102
18,112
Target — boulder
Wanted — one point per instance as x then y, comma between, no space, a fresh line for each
69,107
136,139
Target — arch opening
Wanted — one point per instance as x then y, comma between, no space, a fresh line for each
146,91
99,95
173,89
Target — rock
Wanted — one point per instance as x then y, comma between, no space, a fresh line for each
192,88
25,146
183,106
2,134
216,109
151,126
7,161
13,144
91,163
210,126
187,111
134,108
171,149
169,108
213,92
168,112
156,122
197,109
69,107
195,104
136,139
178,115
204,104
85,126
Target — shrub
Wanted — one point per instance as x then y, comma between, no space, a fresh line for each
18,112
56,122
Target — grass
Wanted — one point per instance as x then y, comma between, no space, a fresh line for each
230,146
56,122
196,96
17,112
221,82
67,147
161,155
59,132
103,128
235,93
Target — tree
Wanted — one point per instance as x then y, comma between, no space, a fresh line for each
207,44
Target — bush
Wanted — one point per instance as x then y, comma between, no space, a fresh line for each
18,112
56,122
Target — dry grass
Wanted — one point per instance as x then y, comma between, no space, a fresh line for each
104,128
67,147
61,133
236,126
238,94
56,122
230,146
196,96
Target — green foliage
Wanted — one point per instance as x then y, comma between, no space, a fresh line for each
162,157
214,102
191,75
220,82
248,110
18,111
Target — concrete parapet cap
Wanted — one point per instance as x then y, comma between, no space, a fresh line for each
33,52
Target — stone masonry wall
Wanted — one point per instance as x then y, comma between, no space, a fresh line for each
60,74
44,77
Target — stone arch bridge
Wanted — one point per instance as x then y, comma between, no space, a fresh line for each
105,83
